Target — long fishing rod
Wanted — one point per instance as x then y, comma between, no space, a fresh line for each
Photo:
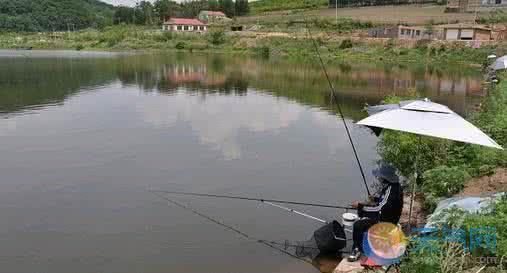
231,228
296,212
252,199
334,97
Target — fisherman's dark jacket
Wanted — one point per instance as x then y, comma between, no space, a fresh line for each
388,207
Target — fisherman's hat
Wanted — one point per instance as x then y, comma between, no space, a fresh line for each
387,172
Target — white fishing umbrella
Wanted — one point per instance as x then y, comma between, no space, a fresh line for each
500,63
423,117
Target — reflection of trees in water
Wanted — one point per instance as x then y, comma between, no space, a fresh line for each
28,83
195,77
25,82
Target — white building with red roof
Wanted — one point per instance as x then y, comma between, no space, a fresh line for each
184,25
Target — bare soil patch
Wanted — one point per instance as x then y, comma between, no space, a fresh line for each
487,185
418,214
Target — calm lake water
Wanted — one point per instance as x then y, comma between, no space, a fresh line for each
83,135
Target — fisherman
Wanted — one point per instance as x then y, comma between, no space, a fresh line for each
385,207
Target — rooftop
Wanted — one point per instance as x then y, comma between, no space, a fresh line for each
214,13
185,21
472,26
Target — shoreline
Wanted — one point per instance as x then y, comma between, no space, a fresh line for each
333,47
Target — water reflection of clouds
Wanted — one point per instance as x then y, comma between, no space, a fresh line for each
6,126
218,119
331,123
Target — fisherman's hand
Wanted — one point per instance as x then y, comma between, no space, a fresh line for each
355,204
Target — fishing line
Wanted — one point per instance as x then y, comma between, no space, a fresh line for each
252,199
335,99
228,227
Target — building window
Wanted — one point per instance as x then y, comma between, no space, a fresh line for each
417,32
179,28
185,28
201,28
402,32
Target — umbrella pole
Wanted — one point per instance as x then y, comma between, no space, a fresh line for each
414,186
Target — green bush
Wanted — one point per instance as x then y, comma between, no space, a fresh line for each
180,45
494,17
347,43
216,37
430,202
165,36
444,181
265,51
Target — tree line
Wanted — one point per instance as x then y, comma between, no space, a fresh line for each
63,15
147,13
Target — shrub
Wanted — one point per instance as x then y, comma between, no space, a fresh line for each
494,17
430,203
216,37
165,36
79,47
180,45
390,44
347,43
403,51
444,181
265,51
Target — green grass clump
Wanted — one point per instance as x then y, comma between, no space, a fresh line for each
444,181
495,17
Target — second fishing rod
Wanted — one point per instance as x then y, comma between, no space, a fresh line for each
247,198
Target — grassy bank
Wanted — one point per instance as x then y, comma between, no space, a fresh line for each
446,168
332,47
274,5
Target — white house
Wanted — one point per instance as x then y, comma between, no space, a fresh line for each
184,25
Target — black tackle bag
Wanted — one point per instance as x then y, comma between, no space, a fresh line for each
330,238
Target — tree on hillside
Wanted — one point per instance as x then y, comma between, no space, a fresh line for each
242,7
144,13
124,15
166,8
213,5
191,8
227,6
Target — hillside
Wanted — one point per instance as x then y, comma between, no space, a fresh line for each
407,14
53,15
274,5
